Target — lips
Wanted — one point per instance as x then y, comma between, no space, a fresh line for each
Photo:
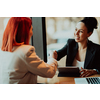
77,38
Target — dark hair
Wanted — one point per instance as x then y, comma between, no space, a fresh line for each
90,23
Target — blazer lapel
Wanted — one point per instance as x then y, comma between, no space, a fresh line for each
72,54
75,50
89,54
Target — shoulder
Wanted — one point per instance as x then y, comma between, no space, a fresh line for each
93,45
25,50
71,41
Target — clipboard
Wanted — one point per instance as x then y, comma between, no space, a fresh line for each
69,71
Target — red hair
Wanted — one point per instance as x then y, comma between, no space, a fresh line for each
16,33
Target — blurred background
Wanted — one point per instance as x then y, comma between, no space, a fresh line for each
58,30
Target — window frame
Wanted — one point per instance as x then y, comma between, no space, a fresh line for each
38,39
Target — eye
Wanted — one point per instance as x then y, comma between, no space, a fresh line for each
81,31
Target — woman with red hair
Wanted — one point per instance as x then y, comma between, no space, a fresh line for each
19,63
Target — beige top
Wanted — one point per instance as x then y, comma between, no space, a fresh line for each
23,65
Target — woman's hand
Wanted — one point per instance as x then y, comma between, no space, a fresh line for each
87,72
53,54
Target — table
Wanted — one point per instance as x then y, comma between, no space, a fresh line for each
59,80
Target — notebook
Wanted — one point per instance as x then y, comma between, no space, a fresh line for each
69,71
90,80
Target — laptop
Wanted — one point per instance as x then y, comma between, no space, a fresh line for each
69,71
89,80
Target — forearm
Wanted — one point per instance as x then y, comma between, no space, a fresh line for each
60,54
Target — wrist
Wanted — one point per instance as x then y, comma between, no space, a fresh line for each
95,71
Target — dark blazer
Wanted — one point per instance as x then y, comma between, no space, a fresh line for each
92,59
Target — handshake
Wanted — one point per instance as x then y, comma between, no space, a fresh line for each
53,54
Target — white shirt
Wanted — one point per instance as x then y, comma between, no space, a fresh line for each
78,63
23,65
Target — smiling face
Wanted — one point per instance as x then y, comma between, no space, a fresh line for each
81,33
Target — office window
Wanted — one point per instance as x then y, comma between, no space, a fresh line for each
60,29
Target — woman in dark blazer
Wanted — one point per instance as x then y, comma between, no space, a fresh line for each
81,49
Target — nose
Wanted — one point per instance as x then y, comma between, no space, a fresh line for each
77,32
